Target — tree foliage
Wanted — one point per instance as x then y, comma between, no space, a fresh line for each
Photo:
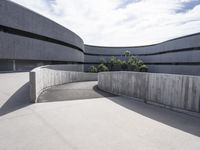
92,69
131,63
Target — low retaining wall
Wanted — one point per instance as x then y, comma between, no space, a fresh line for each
42,78
172,91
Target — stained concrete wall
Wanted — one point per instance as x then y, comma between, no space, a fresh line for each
47,76
173,91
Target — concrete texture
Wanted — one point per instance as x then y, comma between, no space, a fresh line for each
14,92
101,123
44,77
109,123
19,17
23,48
73,91
174,91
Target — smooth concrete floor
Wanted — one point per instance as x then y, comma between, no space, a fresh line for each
107,123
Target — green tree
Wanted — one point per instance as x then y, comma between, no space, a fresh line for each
127,54
117,65
132,66
143,68
102,68
112,62
92,69
124,66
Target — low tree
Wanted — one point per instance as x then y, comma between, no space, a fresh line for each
92,69
112,62
143,68
127,54
124,66
132,66
117,65
102,68
131,63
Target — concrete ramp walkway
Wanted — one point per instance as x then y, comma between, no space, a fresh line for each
73,91
100,122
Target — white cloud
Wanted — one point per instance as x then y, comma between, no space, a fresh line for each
105,22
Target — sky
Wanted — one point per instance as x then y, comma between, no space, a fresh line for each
122,22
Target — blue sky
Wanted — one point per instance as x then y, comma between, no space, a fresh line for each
122,22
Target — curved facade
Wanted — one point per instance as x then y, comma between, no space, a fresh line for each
177,56
28,39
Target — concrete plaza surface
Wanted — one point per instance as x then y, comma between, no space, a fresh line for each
110,123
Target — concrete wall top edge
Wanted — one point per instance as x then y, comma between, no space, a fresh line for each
16,16
150,73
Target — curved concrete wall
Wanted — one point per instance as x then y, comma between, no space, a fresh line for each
17,47
18,17
42,78
172,91
28,36
181,55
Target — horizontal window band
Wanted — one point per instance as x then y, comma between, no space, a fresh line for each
36,36
158,63
97,63
51,40
175,63
150,54
45,61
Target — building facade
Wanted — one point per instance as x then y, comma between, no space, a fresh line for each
28,40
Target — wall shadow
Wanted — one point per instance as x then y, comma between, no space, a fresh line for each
181,121
61,94
18,100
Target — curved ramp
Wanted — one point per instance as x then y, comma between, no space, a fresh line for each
73,91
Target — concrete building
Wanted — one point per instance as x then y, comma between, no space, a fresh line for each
28,40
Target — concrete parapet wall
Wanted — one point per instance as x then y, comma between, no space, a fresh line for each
45,77
172,91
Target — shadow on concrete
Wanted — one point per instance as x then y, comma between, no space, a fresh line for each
18,100
168,117
58,93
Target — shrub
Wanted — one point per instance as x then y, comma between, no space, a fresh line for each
140,63
117,65
132,66
143,68
127,54
124,66
112,62
131,63
92,69
102,68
